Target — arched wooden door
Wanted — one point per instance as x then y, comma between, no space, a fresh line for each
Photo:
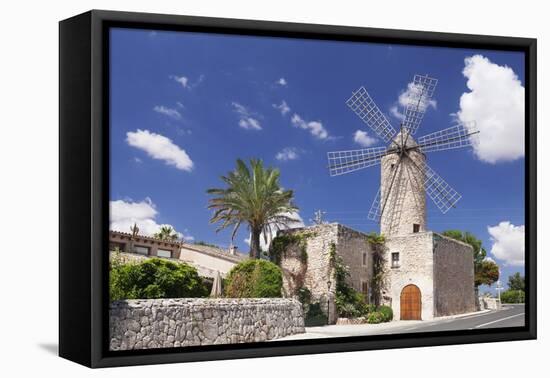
411,303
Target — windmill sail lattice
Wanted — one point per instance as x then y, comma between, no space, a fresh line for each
420,93
364,106
458,136
406,177
342,162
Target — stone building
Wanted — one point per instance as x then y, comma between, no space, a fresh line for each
427,274
208,260
306,262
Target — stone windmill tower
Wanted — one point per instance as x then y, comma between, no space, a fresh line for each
406,178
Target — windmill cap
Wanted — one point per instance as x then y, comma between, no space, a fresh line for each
403,136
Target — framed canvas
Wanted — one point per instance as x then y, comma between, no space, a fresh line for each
235,188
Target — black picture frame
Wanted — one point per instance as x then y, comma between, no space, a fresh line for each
84,187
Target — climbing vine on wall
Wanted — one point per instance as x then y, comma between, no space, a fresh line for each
279,248
349,302
379,273
281,243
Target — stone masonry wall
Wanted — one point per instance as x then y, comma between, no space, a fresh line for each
351,245
415,267
165,323
454,277
405,203
316,271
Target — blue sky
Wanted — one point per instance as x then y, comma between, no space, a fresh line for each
185,106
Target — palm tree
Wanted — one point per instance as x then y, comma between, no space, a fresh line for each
166,233
252,196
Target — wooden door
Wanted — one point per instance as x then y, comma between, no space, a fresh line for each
411,303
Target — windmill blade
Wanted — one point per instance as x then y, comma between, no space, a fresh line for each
458,136
420,92
366,109
341,162
375,212
441,193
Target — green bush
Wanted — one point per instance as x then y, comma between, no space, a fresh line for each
254,279
154,278
387,313
512,296
315,316
375,317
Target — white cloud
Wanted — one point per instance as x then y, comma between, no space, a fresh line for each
496,102
508,243
124,214
183,80
282,82
287,153
160,147
404,98
169,112
363,139
314,127
247,119
394,111
297,223
406,95
282,107
186,82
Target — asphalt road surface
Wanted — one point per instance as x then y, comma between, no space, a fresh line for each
508,316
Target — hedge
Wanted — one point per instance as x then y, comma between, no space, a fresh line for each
154,278
512,296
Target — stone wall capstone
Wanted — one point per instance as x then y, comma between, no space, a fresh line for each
166,323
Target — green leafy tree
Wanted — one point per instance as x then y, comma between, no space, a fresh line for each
486,271
255,197
513,296
166,233
154,278
516,282
254,279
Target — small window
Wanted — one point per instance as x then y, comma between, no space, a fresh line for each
141,250
392,166
364,258
164,253
395,260
416,228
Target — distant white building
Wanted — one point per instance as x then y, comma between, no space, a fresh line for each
208,260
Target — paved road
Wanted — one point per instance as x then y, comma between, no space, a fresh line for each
508,316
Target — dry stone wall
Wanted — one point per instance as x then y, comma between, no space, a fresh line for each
166,323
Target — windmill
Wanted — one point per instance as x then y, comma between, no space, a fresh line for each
406,178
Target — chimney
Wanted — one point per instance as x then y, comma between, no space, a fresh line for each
232,250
